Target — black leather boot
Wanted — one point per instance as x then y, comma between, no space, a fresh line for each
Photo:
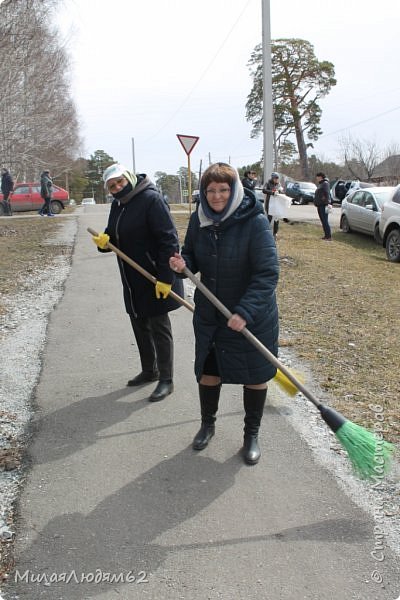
209,397
253,401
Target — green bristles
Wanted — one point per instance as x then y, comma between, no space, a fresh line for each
370,456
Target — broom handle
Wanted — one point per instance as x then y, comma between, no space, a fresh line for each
145,273
252,338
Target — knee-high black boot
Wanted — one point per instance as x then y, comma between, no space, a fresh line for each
253,401
209,397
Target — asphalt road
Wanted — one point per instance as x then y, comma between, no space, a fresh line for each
115,491
297,212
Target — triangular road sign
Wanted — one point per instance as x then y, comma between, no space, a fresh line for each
188,142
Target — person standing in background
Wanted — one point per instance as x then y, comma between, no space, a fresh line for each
46,190
322,200
249,180
271,188
7,186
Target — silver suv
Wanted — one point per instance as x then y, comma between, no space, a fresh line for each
389,226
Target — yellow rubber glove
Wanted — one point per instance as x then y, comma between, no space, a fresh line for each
163,289
101,240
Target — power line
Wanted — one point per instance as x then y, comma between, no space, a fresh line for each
201,76
360,122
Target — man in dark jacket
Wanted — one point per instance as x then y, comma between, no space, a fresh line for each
322,200
140,225
46,189
7,186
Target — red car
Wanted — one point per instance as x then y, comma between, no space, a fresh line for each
26,196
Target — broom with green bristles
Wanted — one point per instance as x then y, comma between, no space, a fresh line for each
369,456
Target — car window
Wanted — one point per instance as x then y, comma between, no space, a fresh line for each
382,197
368,201
356,198
22,189
36,189
396,196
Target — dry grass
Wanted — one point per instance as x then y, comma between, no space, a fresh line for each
339,312
24,249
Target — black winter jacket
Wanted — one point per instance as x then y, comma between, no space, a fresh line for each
46,185
143,229
248,183
269,190
7,184
322,194
238,262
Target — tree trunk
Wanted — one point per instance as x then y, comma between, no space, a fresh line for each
301,146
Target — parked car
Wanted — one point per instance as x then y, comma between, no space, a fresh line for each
341,188
88,201
26,196
301,192
389,226
361,211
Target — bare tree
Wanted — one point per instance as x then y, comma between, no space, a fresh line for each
38,120
361,157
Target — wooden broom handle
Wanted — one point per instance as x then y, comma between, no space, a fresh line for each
142,271
252,338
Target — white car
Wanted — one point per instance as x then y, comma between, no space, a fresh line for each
341,188
389,226
361,210
88,201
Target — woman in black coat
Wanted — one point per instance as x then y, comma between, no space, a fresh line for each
140,225
230,243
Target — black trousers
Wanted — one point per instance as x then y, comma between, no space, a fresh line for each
7,205
155,344
275,225
46,208
323,217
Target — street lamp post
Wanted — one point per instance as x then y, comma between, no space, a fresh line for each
268,116
180,188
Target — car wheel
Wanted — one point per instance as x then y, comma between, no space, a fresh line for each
377,235
393,246
56,207
344,224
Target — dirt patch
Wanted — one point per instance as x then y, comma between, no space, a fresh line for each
25,248
339,309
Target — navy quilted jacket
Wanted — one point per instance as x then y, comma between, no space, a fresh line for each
238,262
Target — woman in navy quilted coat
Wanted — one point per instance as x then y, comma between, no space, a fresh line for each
229,242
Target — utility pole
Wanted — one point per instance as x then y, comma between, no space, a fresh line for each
268,115
133,156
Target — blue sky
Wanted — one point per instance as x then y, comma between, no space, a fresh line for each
151,70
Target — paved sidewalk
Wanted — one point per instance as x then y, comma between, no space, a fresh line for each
115,491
